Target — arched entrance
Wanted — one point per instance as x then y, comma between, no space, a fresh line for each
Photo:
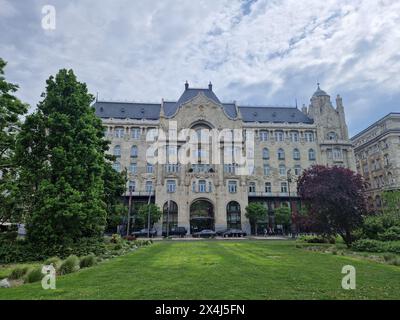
201,215
233,220
170,215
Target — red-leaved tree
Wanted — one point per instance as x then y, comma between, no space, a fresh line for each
335,200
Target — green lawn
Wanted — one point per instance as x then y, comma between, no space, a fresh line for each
220,270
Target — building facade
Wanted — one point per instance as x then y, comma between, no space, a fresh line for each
377,153
206,194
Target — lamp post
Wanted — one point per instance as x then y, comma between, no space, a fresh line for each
129,210
148,212
289,180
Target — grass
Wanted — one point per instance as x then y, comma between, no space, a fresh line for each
221,270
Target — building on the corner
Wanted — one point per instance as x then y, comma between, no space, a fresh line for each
204,195
377,152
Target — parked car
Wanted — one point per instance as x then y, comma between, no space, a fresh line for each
144,233
176,231
204,234
232,233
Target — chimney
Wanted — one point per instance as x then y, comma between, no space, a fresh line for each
210,86
186,85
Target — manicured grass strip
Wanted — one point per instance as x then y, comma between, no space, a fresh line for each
221,270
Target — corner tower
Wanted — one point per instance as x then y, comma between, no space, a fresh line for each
332,132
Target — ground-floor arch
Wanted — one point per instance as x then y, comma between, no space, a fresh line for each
233,215
201,215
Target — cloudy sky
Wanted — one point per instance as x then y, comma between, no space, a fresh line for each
263,52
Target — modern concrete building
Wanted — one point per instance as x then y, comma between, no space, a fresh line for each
377,152
276,142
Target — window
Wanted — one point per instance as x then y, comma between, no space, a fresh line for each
117,166
194,186
265,154
233,219
296,154
268,187
149,186
297,170
279,136
252,187
170,168
309,136
134,152
171,186
230,168
311,154
284,187
281,154
117,151
282,170
331,135
119,132
152,133
132,186
267,170
294,136
337,153
149,168
135,133
202,186
263,135
133,168
232,186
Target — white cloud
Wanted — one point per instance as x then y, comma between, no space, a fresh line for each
264,52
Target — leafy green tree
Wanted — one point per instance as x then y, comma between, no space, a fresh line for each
155,214
255,212
11,109
391,203
63,166
283,217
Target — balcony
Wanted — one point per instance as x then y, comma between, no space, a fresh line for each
272,194
139,193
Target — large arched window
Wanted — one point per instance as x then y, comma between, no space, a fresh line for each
233,219
281,154
265,154
311,154
117,151
170,215
296,154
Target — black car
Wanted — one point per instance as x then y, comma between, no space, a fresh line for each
176,231
232,233
145,233
204,234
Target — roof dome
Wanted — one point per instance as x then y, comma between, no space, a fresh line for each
320,93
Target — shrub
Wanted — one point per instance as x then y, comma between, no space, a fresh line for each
18,273
316,239
388,256
71,264
115,238
88,261
395,262
8,236
369,245
34,275
55,261
391,234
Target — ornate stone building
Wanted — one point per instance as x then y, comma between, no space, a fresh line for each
204,194
377,152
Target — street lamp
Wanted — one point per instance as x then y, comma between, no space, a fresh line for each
289,180
129,210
